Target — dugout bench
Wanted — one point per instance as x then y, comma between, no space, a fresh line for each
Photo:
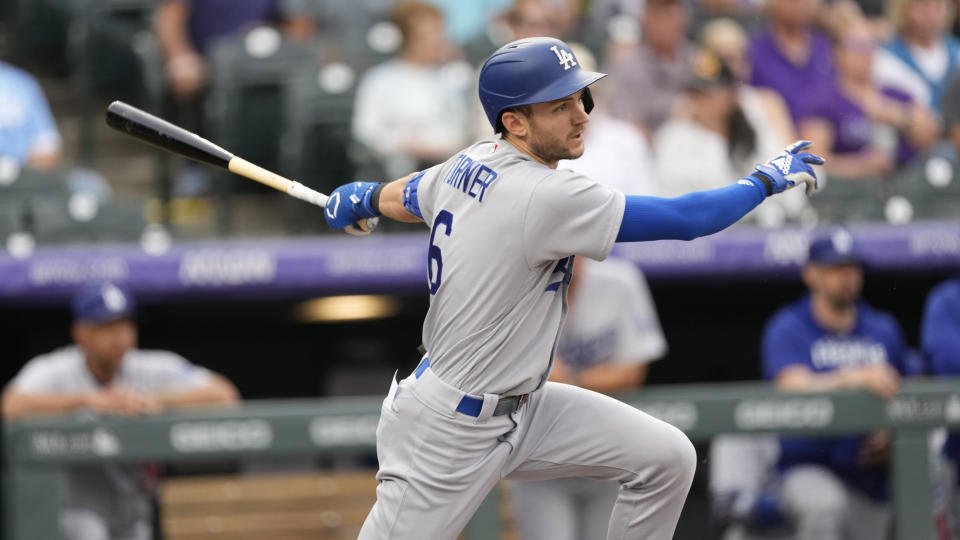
34,450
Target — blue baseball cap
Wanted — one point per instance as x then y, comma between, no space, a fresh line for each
834,249
100,303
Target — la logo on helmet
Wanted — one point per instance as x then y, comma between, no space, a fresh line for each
566,59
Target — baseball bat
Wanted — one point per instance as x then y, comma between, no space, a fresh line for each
166,136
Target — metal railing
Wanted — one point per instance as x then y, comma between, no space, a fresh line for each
36,449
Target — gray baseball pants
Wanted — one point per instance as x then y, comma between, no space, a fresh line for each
437,465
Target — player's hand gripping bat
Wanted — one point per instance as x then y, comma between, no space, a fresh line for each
166,136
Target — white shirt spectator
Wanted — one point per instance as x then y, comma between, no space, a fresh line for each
616,155
401,106
679,173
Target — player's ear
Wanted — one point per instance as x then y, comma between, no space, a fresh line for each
515,123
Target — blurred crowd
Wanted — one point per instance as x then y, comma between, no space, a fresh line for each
697,92
325,91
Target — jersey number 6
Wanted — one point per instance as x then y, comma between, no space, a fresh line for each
435,256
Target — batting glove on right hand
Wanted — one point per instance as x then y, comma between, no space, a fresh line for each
350,208
789,169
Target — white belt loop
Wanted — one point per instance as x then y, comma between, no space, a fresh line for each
486,410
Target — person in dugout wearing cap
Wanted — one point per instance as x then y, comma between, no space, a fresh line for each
104,372
835,488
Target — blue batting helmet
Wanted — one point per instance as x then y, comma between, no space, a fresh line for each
529,71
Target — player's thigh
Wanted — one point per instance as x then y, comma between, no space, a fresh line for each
545,510
568,431
83,524
435,469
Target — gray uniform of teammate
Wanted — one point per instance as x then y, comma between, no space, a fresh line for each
612,320
503,228
110,500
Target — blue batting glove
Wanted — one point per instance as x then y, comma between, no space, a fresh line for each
787,170
349,204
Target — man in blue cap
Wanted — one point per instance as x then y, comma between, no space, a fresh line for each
105,373
835,488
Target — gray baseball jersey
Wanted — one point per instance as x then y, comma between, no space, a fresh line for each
117,492
498,292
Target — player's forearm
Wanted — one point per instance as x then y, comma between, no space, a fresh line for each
19,404
607,378
802,380
392,203
686,217
218,391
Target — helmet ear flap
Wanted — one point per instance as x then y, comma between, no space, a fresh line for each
587,98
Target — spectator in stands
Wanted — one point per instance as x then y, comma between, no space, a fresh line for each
28,133
187,28
466,20
714,120
728,40
863,129
647,78
411,110
790,56
923,57
608,341
827,340
940,341
106,374
950,113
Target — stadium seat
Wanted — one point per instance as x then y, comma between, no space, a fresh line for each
932,186
842,200
245,110
42,204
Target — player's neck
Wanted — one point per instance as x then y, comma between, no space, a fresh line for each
525,148
837,319
102,375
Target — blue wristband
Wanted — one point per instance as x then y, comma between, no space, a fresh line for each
410,201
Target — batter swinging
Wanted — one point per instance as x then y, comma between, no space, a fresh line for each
504,227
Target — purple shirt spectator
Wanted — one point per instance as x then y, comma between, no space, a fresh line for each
852,128
210,19
796,83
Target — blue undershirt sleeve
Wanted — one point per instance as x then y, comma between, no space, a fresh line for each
689,216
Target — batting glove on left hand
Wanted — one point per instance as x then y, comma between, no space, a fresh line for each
789,169
350,208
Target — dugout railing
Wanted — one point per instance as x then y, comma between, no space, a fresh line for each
36,449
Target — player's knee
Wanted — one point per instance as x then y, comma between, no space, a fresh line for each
674,461
684,464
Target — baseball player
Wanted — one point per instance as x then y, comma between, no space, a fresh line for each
105,373
610,336
835,488
504,227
